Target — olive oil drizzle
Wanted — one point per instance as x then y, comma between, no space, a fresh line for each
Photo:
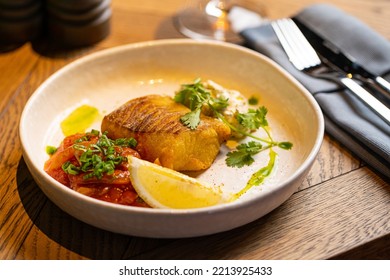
79,120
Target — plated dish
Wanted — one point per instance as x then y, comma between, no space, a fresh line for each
107,79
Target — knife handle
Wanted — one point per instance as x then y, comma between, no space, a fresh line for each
378,107
383,83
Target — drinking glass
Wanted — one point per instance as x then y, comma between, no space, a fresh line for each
210,19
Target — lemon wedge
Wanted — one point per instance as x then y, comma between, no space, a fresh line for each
161,187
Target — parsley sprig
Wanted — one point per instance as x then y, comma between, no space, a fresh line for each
195,96
99,158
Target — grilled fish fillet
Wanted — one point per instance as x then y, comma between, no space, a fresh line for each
154,121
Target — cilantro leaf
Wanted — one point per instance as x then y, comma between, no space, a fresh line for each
191,119
219,103
253,119
193,96
239,159
243,155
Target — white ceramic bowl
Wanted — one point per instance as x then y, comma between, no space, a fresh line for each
108,78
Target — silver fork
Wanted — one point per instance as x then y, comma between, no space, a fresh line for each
303,56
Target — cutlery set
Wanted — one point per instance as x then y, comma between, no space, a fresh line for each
318,57
309,52
345,62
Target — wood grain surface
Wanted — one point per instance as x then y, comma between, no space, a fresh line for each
341,210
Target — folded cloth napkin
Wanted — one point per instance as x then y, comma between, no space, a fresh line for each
347,119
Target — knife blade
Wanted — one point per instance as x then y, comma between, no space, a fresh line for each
345,62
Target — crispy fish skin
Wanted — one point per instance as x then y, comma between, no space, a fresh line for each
154,121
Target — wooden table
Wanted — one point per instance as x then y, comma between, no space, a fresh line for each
342,209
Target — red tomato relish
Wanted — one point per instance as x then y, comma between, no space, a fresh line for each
96,166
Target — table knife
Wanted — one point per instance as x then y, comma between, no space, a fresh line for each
342,60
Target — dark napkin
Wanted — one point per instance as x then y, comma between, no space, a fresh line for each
346,118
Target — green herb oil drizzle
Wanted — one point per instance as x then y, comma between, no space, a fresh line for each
79,120
259,176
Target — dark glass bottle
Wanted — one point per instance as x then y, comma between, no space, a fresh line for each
76,23
20,21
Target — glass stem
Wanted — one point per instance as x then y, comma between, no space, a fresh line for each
219,9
